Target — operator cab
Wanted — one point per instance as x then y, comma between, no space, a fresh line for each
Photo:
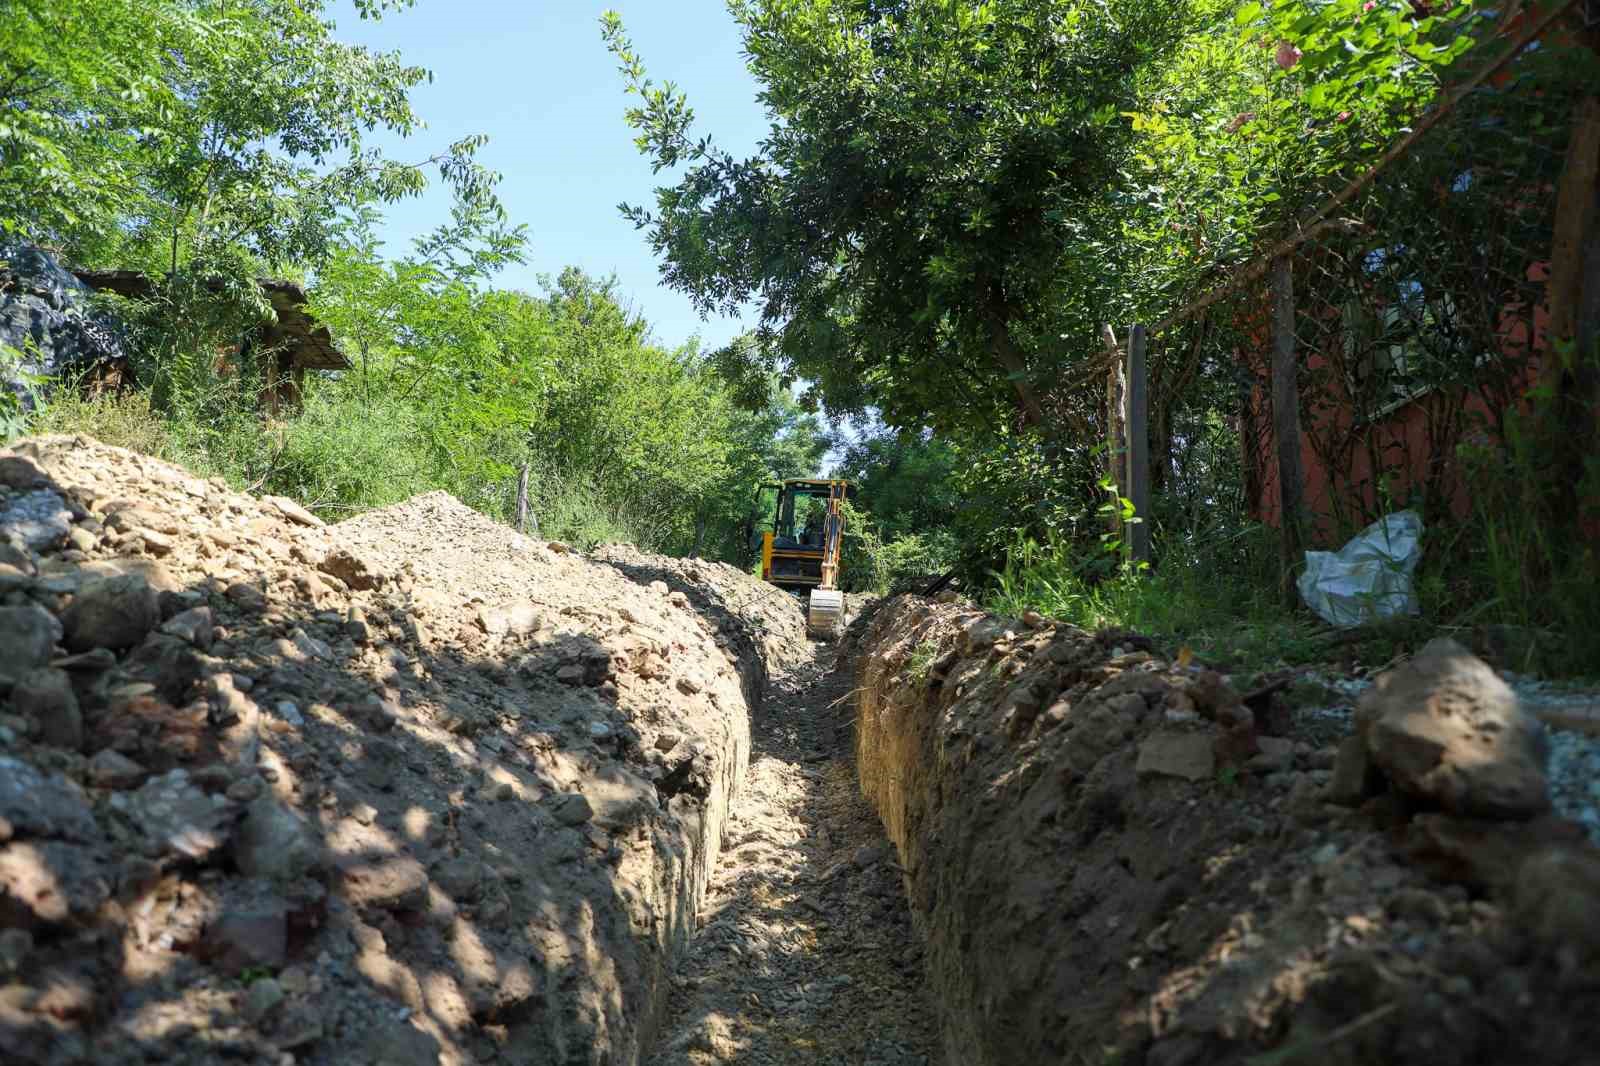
803,549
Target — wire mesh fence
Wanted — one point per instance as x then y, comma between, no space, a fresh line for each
1420,310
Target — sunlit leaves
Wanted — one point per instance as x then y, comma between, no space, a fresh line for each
141,132
932,171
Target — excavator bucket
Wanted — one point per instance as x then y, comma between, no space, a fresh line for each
825,612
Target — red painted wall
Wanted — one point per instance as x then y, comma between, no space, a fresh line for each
1398,446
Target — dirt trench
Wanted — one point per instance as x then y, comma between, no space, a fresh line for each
805,952
1115,857
414,790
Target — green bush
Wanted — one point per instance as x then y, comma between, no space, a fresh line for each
871,562
121,419
1229,615
340,456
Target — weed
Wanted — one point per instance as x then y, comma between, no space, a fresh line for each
920,665
121,419
1222,604
874,563
16,400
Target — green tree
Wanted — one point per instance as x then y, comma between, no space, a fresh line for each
907,481
934,182
774,441
205,142
159,129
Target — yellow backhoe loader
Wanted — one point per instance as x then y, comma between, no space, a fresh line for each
802,549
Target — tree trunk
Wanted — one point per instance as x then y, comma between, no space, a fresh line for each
1567,372
1006,353
1138,430
699,536
522,502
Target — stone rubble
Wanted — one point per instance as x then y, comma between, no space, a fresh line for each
394,790
413,788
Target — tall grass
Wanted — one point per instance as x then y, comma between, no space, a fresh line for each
1503,580
873,562
341,457
121,419
1219,599
1513,565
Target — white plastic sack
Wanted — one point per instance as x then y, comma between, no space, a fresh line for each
1369,578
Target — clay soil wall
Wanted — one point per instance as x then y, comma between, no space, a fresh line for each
1117,859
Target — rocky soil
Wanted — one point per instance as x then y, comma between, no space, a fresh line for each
409,789
805,952
1116,856
414,789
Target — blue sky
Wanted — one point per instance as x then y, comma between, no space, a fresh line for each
536,77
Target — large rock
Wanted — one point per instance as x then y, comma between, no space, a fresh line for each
293,511
1444,729
169,663
1185,755
515,619
392,882
1355,778
253,936
46,316
26,636
46,696
33,803
276,844
113,612
36,520
354,570
175,816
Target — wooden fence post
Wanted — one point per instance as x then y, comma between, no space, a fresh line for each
1286,422
1138,423
1116,429
1569,424
522,502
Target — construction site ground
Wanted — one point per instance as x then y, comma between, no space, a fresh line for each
415,789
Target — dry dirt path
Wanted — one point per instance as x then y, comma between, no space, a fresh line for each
805,953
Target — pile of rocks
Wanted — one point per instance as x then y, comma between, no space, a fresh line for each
768,622
409,789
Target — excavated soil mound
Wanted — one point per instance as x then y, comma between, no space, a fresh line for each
766,623
409,789
1115,858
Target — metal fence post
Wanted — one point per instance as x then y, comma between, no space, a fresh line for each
1286,420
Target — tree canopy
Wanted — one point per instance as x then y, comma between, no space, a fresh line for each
160,133
934,174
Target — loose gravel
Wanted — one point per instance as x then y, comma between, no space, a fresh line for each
805,953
